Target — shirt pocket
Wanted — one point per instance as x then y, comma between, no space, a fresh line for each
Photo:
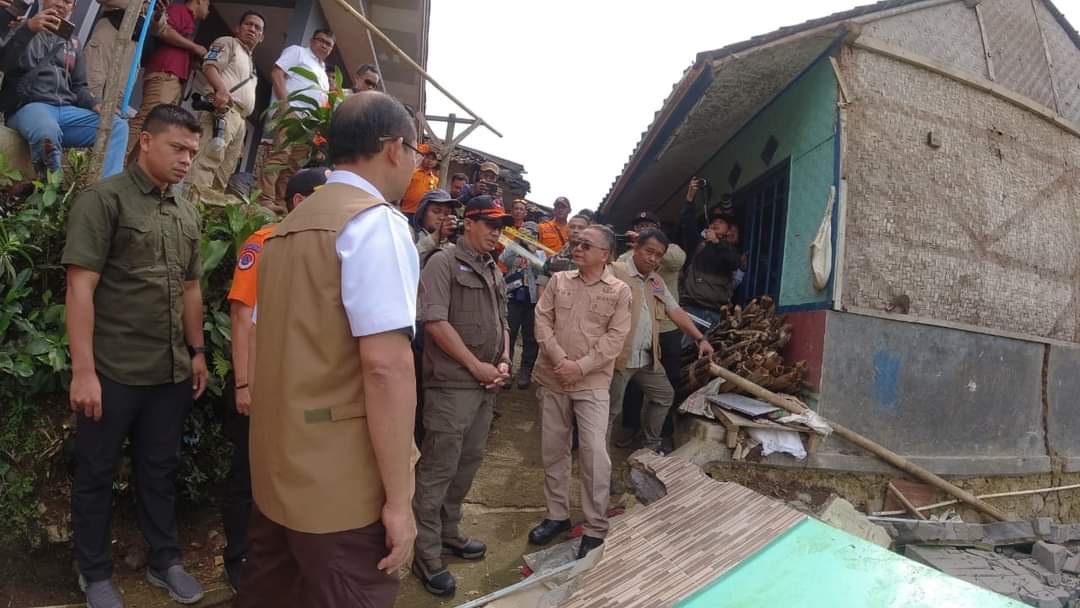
600,311
564,298
471,292
184,245
138,242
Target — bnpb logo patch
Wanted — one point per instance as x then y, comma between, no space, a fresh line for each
246,260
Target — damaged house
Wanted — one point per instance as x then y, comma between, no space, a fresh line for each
932,150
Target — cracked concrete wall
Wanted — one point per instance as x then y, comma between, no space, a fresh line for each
982,230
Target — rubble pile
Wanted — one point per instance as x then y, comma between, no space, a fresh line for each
748,342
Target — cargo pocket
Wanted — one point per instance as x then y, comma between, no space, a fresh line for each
137,242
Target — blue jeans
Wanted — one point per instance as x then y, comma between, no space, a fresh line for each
70,127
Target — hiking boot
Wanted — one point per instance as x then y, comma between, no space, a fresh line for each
465,548
182,587
441,583
588,543
101,594
548,530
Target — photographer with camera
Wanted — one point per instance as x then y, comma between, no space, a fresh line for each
45,96
487,184
424,180
435,224
709,279
223,106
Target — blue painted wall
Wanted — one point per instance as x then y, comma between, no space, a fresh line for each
803,118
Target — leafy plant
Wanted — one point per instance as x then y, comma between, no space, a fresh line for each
305,120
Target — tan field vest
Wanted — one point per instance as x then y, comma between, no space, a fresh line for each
657,310
313,468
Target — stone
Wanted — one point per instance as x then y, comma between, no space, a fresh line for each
1009,533
841,514
1050,556
1042,526
1072,564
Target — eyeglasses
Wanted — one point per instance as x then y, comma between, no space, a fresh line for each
416,152
585,246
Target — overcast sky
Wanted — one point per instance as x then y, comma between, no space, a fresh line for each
572,84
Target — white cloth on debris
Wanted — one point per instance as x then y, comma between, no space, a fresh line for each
775,440
811,419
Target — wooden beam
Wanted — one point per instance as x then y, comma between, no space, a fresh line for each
114,90
1049,58
975,329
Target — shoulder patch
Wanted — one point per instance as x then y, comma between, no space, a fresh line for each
247,258
214,52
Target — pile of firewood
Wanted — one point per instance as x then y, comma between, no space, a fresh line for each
746,341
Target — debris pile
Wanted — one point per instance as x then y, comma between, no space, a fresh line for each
747,341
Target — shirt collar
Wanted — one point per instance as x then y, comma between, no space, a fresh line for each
608,277
467,253
143,182
341,176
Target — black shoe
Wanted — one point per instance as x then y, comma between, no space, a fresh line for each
588,543
441,583
547,530
524,379
465,548
232,573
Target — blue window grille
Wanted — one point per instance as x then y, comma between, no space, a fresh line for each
761,209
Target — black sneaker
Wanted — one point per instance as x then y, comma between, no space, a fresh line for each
441,583
588,543
548,530
465,548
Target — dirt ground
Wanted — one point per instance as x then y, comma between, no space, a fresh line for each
506,501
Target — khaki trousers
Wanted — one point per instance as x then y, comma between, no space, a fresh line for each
658,395
214,166
279,165
557,413
158,88
456,425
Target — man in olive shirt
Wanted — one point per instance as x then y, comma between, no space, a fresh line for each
134,321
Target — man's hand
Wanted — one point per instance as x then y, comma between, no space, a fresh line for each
400,535
46,20
199,375
5,4
487,374
199,51
243,401
504,376
222,99
568,372
710,235
692,190
85,395
704,349
631,236
448,227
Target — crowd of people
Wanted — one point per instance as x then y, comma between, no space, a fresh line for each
372,328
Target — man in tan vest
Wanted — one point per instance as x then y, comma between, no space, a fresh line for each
334,398
640,361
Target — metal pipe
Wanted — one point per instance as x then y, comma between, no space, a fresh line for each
390,43
133,71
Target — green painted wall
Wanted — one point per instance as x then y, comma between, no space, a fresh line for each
803,119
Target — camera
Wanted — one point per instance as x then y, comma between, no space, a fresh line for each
204,104
17,9
65,30
201,104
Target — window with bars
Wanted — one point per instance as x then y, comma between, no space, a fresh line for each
761,208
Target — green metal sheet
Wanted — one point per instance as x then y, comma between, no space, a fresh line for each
814,565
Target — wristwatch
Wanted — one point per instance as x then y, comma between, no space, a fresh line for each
196,350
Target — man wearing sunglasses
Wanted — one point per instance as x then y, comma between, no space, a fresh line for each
462,307
582,321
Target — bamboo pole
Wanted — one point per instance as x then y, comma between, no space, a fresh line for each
416,66
949,503
905,502
796,407
113,90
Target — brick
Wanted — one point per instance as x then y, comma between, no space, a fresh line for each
1050,556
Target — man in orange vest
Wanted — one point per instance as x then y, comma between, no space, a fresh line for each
556,233
236,503
424,180
334,399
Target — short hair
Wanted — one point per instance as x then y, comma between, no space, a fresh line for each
251,13
521,201
580,215
609,238
360,126
459,177
367,67
654,234
324,30
170,115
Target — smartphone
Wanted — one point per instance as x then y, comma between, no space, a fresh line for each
65,30
18,8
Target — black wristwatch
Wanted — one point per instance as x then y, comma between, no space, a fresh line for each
196,350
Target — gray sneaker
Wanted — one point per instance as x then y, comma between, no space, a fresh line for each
101,594
182,587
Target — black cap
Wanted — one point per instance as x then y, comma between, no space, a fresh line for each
646,216
439,196
719,213
304,182
484,208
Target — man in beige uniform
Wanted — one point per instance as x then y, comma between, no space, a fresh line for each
230,71
99,50
582,322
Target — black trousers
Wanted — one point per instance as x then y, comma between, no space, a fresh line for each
671,359
236,498
521,318
153,417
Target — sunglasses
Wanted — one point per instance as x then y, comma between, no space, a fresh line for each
585,246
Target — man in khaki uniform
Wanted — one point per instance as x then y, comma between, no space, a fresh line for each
229,68
582,321
466,359
102,44
334,399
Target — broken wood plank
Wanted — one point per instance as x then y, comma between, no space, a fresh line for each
904,501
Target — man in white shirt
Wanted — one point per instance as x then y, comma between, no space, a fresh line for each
334,397
285,160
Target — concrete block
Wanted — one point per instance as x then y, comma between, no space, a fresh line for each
1072,564
1009,533
840,513
1042,526
1050,556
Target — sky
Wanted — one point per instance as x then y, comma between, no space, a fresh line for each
571,85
